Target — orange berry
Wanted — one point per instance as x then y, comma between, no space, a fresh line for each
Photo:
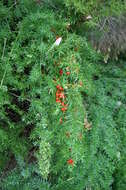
61,88
61,95
62,104
60,71
67,73
58,86
63,109
81,83
58,93
58,101
70,162
65,105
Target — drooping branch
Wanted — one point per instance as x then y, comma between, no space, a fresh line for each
110,36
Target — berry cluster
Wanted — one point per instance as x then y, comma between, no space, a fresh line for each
61,99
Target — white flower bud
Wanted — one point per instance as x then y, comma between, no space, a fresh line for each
88,17
58,41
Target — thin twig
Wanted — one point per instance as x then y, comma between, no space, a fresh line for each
19,97
5,71
1,84
5,40
12,5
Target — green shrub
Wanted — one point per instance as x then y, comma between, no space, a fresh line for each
62,118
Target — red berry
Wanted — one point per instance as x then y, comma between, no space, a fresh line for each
67,73
60,71
81,83
58,86
63,109
58,101
64,104
58,93
61,95
70,162
61,88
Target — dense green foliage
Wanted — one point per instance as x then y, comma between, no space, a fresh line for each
96,7
62,109
103,22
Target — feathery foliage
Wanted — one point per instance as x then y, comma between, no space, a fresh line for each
62,118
